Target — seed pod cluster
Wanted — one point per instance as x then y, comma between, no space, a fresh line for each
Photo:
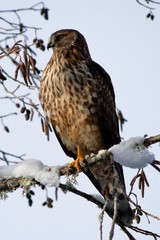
28,113
39,43
25,66
142,181
29,197
138,219
46,128
23,109
138,214
21,27
2,77
7,47
48,203
6,129
150,15
44,13
17,105
121,119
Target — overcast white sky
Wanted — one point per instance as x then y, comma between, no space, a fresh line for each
126,44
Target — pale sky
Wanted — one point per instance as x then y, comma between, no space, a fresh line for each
126,44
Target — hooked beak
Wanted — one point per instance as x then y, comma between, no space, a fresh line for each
49,45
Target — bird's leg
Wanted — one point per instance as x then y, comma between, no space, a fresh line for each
79,158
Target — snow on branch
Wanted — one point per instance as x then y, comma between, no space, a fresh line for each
32,169
132,153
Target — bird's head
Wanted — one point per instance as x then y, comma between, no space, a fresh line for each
70,40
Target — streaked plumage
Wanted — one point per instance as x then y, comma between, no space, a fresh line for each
78,100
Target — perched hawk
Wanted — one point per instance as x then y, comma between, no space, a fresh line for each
78,99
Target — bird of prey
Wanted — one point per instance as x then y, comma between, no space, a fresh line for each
78,100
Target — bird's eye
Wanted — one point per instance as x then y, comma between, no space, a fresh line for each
59,38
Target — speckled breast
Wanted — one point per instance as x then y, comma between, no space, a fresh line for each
69,98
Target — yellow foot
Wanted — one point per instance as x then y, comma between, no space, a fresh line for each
76,162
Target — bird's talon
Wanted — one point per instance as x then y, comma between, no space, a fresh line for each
76,164
71,164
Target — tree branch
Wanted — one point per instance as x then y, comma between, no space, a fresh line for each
10,185
144,5
152,140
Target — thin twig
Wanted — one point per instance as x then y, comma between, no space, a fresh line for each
5,156
144,5
156,167
146,213
111,234
144,232
155,2
101,216
7,115
24,9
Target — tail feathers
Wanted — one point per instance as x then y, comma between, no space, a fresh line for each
108,178
118,202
